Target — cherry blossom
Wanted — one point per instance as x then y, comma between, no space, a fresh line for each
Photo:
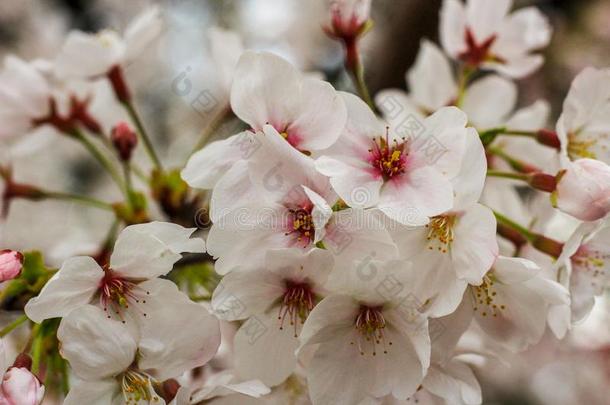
111,365
277,199
383,338
583,269
274,300
86,55
407,177
267,90
583,127
127,286
511,304
483,34
25,97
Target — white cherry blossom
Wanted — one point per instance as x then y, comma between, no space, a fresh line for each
482,33
24,97
86,55
275,301
111,365
406,176
277,199
382,337
268,90
584,125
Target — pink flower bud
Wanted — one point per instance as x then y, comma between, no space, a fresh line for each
583,189
20,387
124,140
348,17
11,263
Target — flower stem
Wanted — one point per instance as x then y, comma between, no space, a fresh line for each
507,175
13,325
354,66
36,349
143,134
92,202
516,164
466,73
529,236
99,156
213,126
519,234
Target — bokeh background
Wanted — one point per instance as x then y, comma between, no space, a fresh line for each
576,371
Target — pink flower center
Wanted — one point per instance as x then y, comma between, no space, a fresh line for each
296,304
477,53
370,325
388,158
118,294
301,225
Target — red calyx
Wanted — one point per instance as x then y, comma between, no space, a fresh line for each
124,140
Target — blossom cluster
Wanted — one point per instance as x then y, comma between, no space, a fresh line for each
356,249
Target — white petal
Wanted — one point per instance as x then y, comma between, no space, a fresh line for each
453,27
455,382
87,55
522,321
320,214
333,313
431,79
485,17
101,392
351,179
524,30
223,245
396,107
163,351
445,332
142,31
517,67
353,234
207,166
95,346
294,264
265,352
469,182
415,196
264,89
72,286
233,191
511,270
444,141
489,101
321,117
150,250
242,294
475,247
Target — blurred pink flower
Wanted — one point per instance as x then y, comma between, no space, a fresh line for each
11,263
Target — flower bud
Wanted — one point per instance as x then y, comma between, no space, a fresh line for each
583,189
20,387
11,264
124,140
349,18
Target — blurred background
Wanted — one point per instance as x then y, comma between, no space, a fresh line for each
577,371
